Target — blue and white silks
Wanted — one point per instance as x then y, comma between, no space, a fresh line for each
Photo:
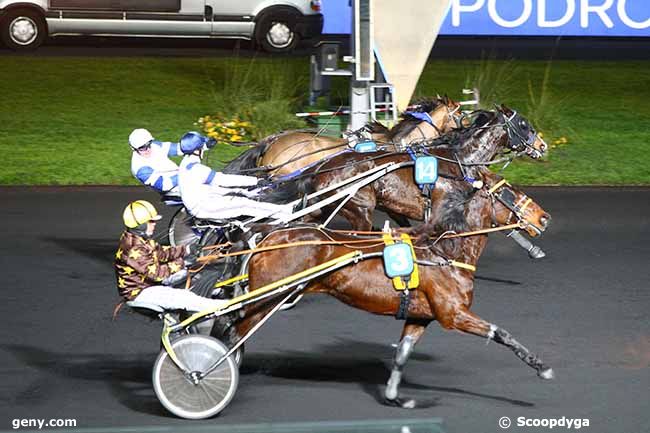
157,170
208,194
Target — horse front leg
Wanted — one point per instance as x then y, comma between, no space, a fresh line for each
401,220
358,211
410,335
466,321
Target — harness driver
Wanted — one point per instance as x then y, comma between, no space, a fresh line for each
212,195
144,268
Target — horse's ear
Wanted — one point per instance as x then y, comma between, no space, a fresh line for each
505,109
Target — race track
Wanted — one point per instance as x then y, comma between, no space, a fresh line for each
585,309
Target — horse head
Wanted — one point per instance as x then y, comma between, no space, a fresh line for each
522,136
510,204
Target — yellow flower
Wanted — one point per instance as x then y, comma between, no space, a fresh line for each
209,125
236,138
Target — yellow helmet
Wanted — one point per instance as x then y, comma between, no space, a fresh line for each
139,212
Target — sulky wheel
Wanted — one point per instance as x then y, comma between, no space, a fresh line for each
181,231
179,394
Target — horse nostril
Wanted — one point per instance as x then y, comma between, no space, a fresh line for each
544,220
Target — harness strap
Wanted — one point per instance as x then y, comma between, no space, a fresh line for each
117,308
404,302
230,281
496,186
463,265
525,205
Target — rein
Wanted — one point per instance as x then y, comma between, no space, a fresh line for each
378,241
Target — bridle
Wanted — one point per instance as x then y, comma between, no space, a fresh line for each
518,138
502,192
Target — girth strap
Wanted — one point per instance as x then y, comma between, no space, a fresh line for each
404,302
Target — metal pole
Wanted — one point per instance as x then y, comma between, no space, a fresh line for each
359,97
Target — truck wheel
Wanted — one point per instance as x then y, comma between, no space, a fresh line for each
23,29
276,32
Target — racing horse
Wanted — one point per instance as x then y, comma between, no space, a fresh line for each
287,152
444,293
461,151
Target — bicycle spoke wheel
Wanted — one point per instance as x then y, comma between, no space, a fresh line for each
179,394
180,229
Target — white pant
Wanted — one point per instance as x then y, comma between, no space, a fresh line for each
176,299
227,207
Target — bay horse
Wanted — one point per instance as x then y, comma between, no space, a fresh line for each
289,151
444,293
397,194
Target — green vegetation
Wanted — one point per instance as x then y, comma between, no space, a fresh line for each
66,120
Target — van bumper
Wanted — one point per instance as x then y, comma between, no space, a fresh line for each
310,26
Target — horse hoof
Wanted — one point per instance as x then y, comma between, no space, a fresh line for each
536,253
408,403
546,373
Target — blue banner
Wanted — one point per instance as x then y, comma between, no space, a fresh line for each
525,17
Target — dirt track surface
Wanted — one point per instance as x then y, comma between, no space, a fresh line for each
584,309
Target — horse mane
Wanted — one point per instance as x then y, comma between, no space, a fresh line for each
450,216
458,138
377,128
430,104
408,122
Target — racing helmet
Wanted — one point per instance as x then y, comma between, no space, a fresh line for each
192,141
139,138
138,213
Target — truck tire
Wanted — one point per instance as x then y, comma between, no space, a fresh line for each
276,32
23,29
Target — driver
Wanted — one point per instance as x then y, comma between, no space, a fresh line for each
208,194
150,162
143,267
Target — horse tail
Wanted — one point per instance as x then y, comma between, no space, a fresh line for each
245,161
305,185
248,160
290,190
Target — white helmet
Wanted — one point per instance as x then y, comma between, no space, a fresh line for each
139,138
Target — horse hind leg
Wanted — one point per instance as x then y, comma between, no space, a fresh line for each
467,321
410,335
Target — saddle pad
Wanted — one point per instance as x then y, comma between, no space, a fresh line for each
397,262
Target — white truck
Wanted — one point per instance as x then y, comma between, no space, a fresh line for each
277,25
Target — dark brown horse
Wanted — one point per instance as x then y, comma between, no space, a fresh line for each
289,151
444,294
398,195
